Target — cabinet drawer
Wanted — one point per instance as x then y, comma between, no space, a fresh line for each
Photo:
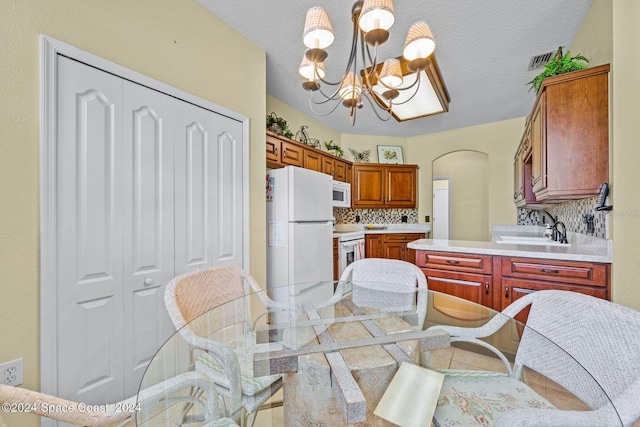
512,289
454,261
472,287
581,273
399,237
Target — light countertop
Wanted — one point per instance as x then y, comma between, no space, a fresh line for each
391,228
582,248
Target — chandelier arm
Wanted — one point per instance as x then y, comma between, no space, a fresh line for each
375,110
414,93
311,102
373,61
352,55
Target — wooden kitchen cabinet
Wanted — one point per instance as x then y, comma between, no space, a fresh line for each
283,151
466,276
384,186
391,245
497,281
568,131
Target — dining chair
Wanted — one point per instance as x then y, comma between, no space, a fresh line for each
228,363
589,346
121,413
371,277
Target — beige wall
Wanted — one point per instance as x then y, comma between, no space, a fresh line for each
295,119
468,174
626,153
175,41
595,37
498,140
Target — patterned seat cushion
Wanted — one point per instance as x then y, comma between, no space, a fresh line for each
477,398
244,348
222,422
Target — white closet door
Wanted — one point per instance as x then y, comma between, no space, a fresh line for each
229,227
89,230
195,158
148,118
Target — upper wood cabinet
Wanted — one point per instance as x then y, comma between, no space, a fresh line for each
568,136
384,186
283,151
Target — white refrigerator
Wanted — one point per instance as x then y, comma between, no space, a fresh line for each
299,232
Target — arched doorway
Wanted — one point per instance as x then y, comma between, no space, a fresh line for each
467,176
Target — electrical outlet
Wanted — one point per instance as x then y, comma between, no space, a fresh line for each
12,373
426,218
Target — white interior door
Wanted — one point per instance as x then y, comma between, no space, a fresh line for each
89,263
148,226
441,214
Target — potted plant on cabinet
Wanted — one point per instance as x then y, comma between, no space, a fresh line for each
559,64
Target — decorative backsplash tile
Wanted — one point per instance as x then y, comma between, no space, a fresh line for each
375,216
572,215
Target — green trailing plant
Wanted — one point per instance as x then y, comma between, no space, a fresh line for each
278,125
559,64
333,148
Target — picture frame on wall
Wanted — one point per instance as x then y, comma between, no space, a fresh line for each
390,154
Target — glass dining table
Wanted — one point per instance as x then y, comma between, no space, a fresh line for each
369,354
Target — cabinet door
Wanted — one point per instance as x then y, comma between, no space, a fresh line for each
401,186
473,287
368,188
328,166
292,154
341,172
313,160
373,246
539,146
394,250
273,151
406,254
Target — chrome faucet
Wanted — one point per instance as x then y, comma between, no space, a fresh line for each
557,236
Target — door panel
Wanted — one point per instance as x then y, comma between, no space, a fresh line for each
228,227
195,202
148,226
89,231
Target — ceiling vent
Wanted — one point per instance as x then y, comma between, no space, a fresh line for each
540,61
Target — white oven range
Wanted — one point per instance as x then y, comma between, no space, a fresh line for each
350,248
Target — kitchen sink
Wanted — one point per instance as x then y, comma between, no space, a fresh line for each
529,240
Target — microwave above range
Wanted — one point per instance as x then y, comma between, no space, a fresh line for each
341,194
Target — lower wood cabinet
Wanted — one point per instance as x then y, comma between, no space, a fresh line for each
496,281
391,246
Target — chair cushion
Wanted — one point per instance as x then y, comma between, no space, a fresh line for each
243,347
477,398
222,422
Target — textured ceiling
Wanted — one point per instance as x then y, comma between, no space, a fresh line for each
483,49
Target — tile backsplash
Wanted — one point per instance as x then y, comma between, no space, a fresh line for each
571,214
375,216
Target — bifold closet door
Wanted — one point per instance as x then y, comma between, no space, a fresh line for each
90,164
148,225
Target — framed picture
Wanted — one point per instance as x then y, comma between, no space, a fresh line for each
390,154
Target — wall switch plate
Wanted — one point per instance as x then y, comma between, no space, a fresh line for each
12,373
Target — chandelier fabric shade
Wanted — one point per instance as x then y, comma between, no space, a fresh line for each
376,15
419,43
318,33
405,88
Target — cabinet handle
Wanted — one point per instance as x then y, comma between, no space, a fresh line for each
546,270
506,291
486,288
275,151
449,261
148,281
284,153
531,179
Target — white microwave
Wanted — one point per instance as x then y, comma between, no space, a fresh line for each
341,194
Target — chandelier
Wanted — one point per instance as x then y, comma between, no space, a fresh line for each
406,88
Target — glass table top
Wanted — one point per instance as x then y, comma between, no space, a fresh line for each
329,353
